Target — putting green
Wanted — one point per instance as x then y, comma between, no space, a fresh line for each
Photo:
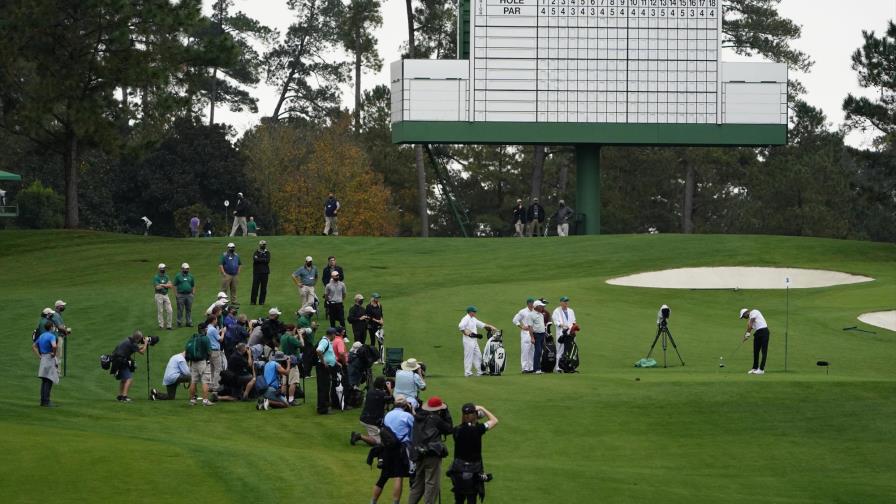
612,433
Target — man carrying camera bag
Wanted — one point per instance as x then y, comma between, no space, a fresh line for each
469,327
431,424
122,365
467,473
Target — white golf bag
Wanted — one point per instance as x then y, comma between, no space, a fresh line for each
493,355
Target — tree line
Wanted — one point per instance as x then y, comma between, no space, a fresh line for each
107,109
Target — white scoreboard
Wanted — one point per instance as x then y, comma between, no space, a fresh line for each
587,61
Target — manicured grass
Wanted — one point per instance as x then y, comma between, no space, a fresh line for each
685,434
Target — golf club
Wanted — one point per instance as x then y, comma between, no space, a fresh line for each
722,359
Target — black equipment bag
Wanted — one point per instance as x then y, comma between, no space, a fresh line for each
548,355
569,361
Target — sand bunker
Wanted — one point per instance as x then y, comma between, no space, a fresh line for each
882,319
738,277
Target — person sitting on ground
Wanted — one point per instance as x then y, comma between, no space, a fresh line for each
292,341
238,379
176,372
273,388
378,398
396,465
431,424
409,379
467,468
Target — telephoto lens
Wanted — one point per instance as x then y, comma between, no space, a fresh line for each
152,340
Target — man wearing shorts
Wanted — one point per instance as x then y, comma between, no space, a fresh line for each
375,404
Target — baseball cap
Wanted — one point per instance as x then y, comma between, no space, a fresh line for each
375,295
162,266
563,299
47,311
334,273
239,194
434,404
231,245
331,330
307,310
743,311
359,297
530,299
538,303
59,302
471,308
468,408
308,259
274,311
263,242
184,266
222,295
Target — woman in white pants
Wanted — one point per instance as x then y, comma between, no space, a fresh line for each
563,318
527,349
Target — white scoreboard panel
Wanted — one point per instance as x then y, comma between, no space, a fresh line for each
596,61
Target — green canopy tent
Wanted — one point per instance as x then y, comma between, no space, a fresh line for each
7,210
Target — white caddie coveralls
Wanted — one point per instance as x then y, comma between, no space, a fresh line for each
472,354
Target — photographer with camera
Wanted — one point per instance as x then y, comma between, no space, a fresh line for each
378,397
431,425
467,473
123,366
216,356
45,347
395,436
292,341
238,379
409,379
273,389
176,372
469,327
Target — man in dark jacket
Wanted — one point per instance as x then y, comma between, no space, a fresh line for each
331,210
564,213
261,268
535,216
240,212
431,424
519,218
357,318
328,271
374,313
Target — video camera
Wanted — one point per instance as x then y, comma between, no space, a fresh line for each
151,340
662,316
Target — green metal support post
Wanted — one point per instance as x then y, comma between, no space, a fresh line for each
588,186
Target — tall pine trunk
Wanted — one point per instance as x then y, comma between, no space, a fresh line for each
690,187
418,149
70,166
211,112
358,90
537,171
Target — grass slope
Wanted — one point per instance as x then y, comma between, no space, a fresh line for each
684,434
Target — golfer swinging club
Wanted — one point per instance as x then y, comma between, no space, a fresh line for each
759,328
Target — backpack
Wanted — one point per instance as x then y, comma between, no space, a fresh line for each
427,439
193,349
105,362
388,438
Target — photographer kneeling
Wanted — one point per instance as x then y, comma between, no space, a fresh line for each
123,366
238,379
467,473
176,372
430,426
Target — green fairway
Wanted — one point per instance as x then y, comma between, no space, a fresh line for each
612,433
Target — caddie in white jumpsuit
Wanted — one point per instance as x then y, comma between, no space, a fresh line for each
563,318
469,326
527,349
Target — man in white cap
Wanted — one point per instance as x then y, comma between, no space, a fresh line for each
409,379
184,290
357,317
469,327
305,277
240,210
538,332
261,269
61,328
563,318
756,326
527,351
161,283
334,294
229,266
220,302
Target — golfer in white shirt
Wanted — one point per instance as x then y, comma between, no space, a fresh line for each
759,328
527,349
469,327
563,318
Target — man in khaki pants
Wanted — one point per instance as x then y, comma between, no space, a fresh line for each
230,265
163,302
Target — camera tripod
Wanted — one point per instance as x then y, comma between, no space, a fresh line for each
663,330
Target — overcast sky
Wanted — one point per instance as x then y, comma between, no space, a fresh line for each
832,30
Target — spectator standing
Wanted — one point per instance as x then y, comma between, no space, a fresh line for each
331,209
535,216
252,227
467,465
395,458
526,348
328,271
326,366
176,372
208,230
340,349
562,216
357,317
161,284
538,333
197,353
48,369
194,226
469,327
431,424
519,219
563,318
261,269
230,265
334,294
121,362
291,344
59,324
240,211
305,277
409,379
216,356
374,312
184,291
378,397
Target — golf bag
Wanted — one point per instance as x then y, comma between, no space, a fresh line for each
548,355
380,343
493,355
569,361
338,389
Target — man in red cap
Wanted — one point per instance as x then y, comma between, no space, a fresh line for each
428,449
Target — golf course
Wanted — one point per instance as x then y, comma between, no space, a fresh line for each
697,433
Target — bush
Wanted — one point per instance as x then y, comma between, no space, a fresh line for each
40,208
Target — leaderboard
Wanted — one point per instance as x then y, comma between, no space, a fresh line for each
596,61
